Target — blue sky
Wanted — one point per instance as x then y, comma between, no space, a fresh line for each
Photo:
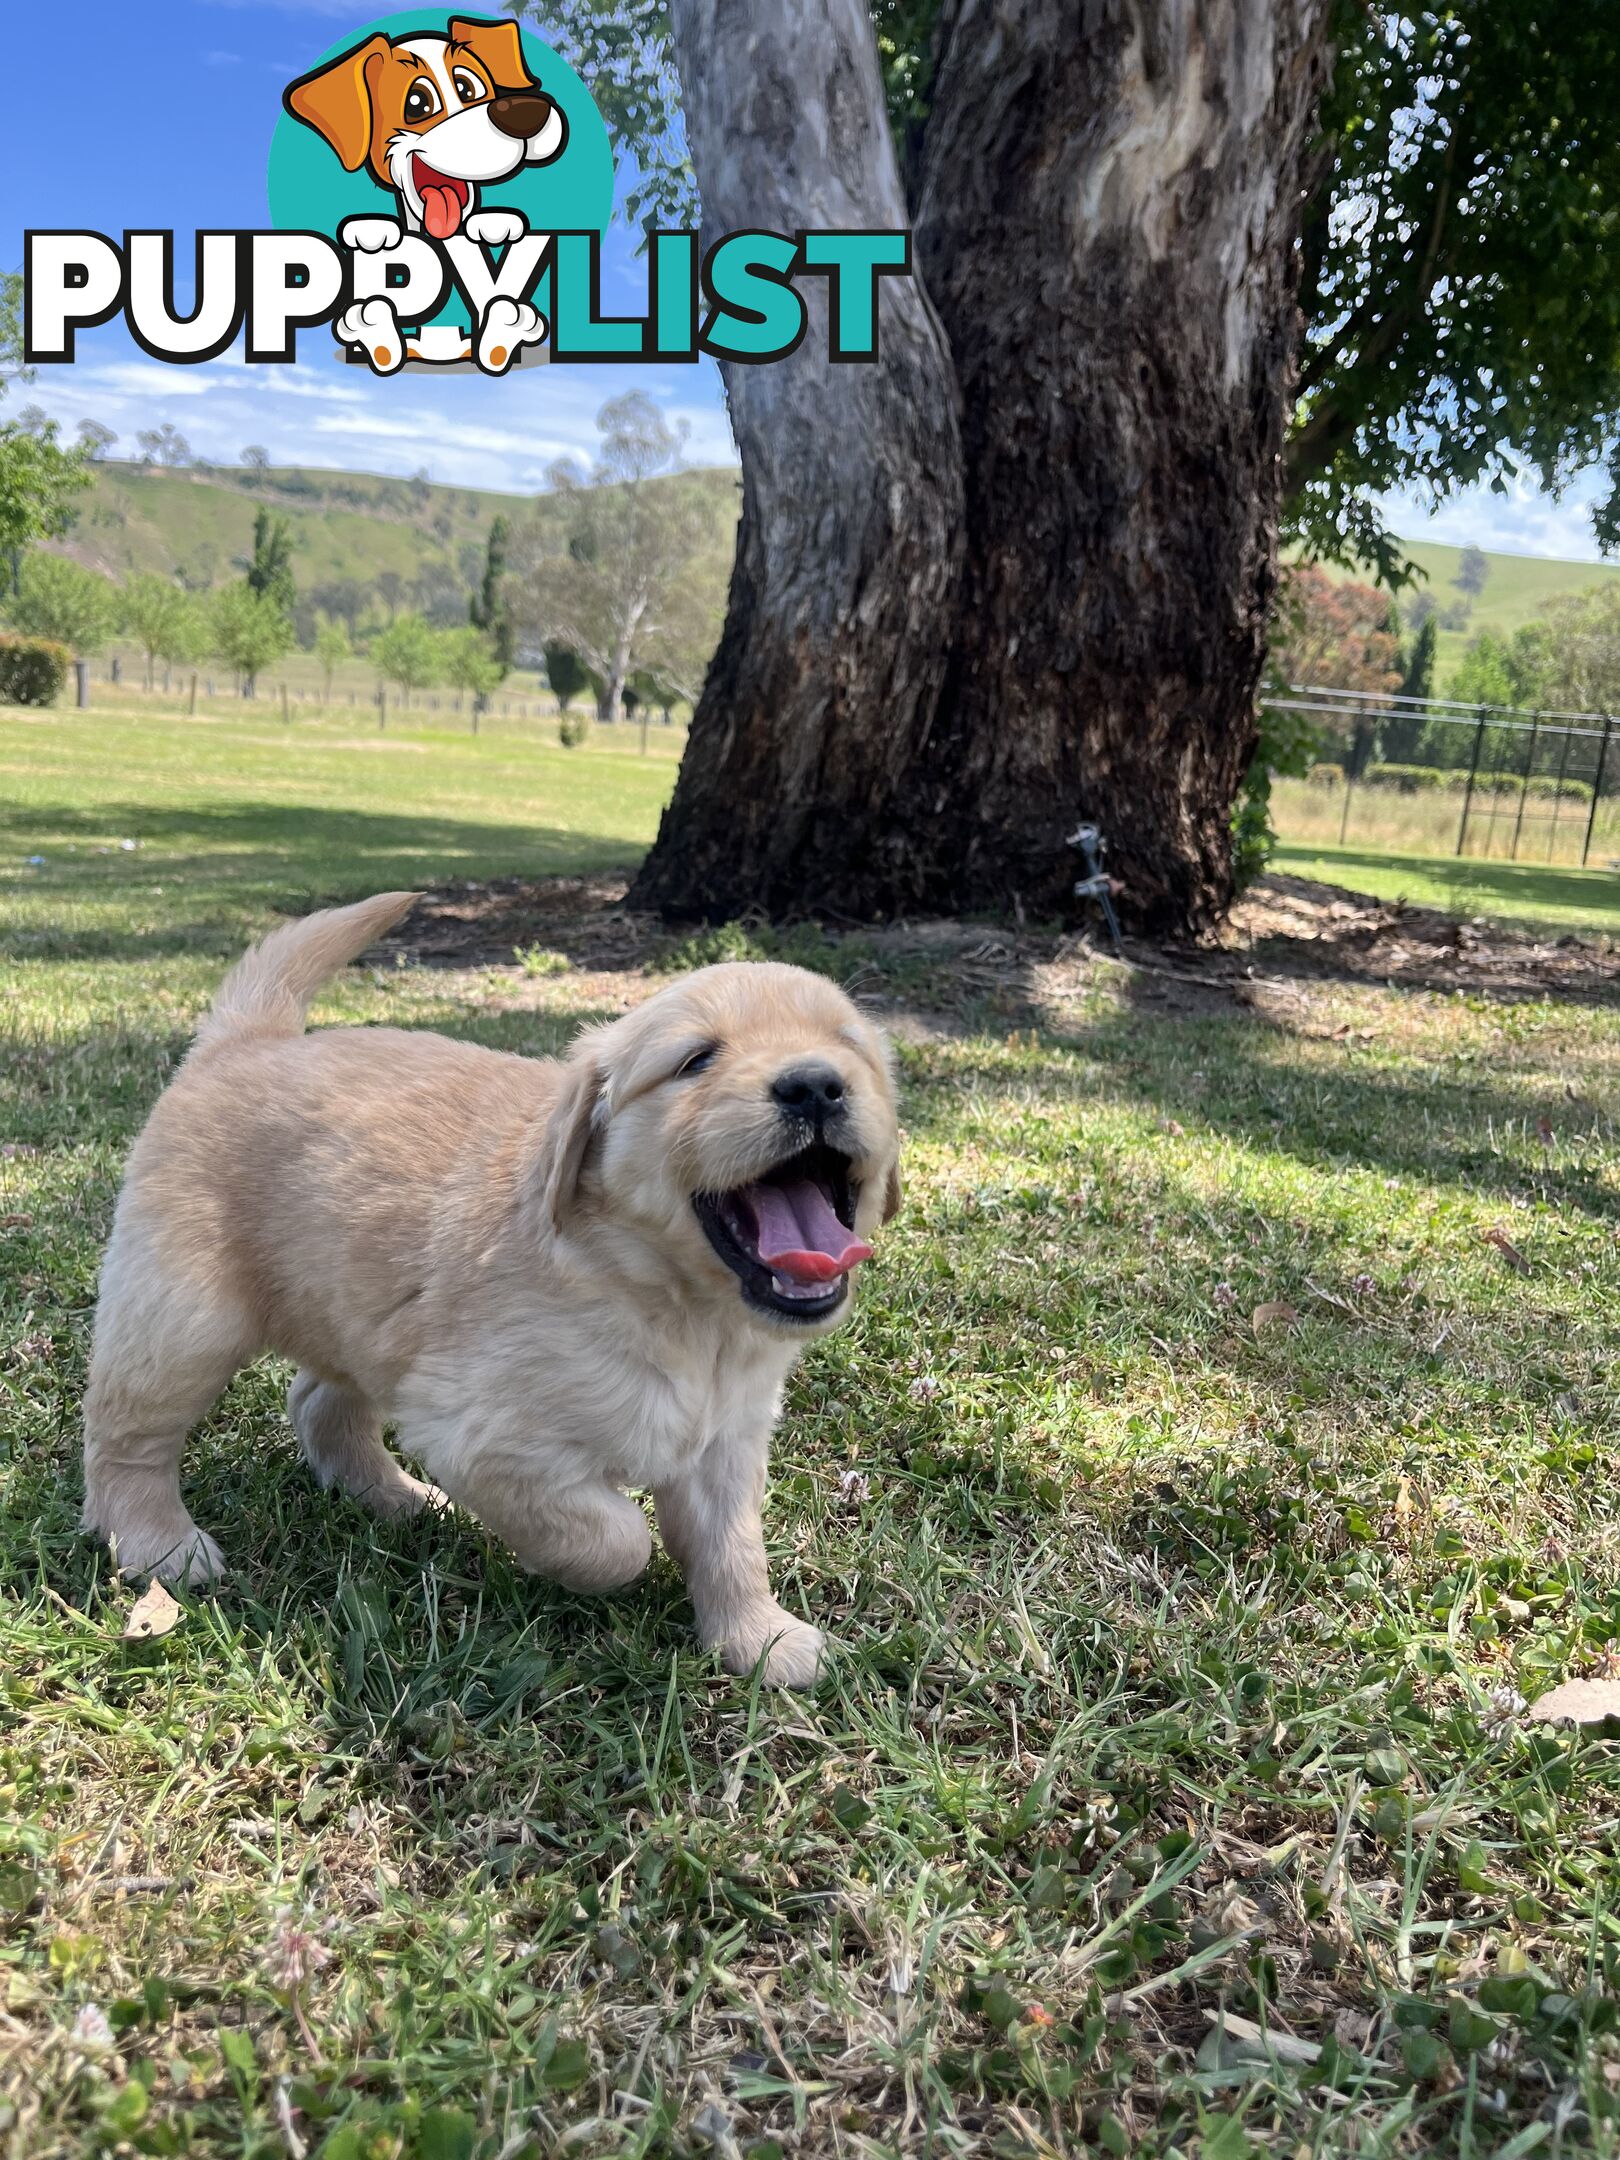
173,129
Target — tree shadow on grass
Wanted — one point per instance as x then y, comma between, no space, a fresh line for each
1517,891
1229,1074
221,866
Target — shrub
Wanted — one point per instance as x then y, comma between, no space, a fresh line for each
1408,779
1549,788
804,945
540,960
1325,775
32,670
572,729
1287,744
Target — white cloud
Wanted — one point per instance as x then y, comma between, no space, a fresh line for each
223,59
136,378
466,430
1524,520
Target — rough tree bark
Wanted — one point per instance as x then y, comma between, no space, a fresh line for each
819,698
1108,208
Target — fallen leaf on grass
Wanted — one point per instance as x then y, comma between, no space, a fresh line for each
154,1613
15,1222
1510,1252
1277,1315
1584,1702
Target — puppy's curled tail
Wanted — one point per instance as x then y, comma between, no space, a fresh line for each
268,992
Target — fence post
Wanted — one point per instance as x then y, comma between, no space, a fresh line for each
81,683
191,708
1473,775
286,715
1524,786
1597,786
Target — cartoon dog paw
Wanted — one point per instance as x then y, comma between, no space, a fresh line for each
508,326
374,327
496,228
371,235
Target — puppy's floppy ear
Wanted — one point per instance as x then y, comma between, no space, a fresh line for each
574,1117
499,45
336,101
892,1194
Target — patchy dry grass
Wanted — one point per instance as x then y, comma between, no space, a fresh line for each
1172,1791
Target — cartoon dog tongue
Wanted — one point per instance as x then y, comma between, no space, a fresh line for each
441,210
800,1237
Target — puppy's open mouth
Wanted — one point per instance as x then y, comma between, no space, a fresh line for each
788,1237
444,198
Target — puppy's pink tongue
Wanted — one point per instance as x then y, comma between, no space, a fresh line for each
441,211
800,1237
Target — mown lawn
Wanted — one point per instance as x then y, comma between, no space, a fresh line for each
1557,898
1173,1790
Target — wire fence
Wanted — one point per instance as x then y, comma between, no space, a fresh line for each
1434,776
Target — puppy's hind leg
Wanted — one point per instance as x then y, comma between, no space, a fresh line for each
163,1352
341,1438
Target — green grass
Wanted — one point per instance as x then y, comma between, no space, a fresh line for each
1530,895
232,817
1182,1665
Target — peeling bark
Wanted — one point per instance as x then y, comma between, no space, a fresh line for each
849,549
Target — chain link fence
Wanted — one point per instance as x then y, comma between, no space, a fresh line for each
1435,776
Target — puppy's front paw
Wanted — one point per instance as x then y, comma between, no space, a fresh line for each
371,235
496,228
793,1651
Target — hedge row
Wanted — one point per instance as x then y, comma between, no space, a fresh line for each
1428,779
32,670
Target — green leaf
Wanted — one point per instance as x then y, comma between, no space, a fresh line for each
126,2111
1423,2055
1510,1994
1470,2029
848,1809
237,2048
1223,2137
570,2066
446,2134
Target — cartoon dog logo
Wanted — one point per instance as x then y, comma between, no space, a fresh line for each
433,118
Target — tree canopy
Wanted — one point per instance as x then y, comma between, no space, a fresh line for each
1459,285
635,584
39,479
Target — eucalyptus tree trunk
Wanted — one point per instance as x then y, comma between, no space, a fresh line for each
817,704
1108,215
1108,205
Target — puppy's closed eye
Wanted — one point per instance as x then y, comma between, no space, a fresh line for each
696,1061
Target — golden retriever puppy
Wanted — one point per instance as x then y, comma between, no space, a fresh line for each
557,1278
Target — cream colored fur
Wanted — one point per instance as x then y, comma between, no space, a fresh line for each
498,1255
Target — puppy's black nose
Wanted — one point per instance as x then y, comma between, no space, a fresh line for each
809,1091
520,113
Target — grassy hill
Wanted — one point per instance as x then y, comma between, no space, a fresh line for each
362,527
1517,588
374,530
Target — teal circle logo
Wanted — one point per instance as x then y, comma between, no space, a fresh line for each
313,188
429,130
